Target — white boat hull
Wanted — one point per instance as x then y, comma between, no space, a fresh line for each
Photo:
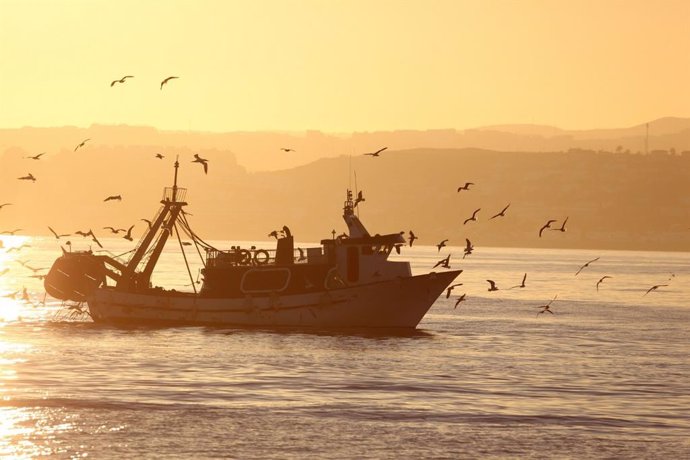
399,303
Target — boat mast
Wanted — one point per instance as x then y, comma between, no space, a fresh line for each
162,226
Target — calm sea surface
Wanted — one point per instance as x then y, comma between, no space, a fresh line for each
606,376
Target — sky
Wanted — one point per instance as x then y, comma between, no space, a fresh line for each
343,66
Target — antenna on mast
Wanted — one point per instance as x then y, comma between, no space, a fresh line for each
177,165
356,190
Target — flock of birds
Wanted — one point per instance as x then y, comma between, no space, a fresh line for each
204,163
469,248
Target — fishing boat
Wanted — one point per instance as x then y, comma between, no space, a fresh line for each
346,282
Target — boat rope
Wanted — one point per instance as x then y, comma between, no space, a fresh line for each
197,243
179,240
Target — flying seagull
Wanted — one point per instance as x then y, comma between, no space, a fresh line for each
460,299
450,288
468,248
160,156
148,222
376,153
5,204
128,236
500,214
121,80
28,177
654,288
81,144
412,237
492,286
466,186
203,161
601,280
545,308
114,230
36,157
359,198
474,216
57,236
445,263
113,198
521,285
546,225
165,81
285,149
586,265
441,244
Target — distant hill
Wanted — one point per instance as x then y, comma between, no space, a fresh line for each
262,151
617,201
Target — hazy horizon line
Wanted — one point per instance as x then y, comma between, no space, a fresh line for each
343,133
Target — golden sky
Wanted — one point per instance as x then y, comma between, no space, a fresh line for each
342,66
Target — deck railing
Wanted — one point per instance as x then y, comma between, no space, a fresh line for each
179,195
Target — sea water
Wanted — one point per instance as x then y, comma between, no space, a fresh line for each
607,375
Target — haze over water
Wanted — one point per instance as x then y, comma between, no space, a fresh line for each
605,376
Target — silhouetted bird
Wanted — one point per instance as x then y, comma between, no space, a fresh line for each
81,144
562,227
203,161
474,216
11,232
460,299
521,285
441,245
160,156
36,157
412,237
57,237
17,248
128,236
654,288
359,198
601,280
148,222
285,149
445,263
274,234
114,197
121,80
585,266
450,288
545,308
546,225
83,233
165,81
500,214
28,177
492,286
466,186
468,248
5,204
376,153
114,230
